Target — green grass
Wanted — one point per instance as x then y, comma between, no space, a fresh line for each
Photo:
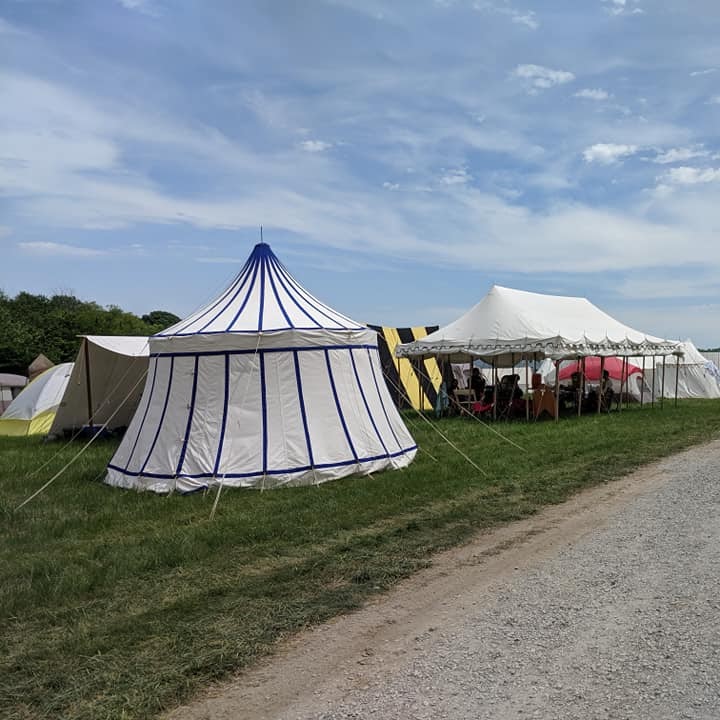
115,604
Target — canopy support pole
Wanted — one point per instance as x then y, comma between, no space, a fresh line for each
579,388
495,389
601,383
654,377
642,384
527,389
557,391
88,387
662,387
677,377
622,383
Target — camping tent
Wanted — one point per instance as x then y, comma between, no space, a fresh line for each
697,377
10,387
33,410
507,324
410,383
38,366
105,385
264,386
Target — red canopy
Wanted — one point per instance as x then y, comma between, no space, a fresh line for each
613,365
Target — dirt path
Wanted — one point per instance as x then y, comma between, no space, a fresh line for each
351,655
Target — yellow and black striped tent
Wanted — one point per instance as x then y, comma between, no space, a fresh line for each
413,382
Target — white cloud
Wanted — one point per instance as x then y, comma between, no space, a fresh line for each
608,153
542,77
708,71
520,17
59,249
147,7
592,94
457,176
391,186
315,146
715,100
623,7
691,176
679,155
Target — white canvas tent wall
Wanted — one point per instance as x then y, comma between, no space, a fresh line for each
265,386
697,377
508,323
11,386
33,410
105,385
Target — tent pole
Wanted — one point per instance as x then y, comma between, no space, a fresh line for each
622,382
88,387
579,390
420,391
600,383
557,391
652,397
642,384
495,389
677,376
662,387
527,390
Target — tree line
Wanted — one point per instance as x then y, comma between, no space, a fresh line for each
33,324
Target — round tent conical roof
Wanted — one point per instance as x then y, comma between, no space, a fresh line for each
264,386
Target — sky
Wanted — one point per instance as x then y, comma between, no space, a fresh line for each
402,157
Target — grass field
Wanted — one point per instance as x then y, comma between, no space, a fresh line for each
115,604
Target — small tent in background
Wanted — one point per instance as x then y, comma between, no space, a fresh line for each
410,383
105,385
265,386
38,366
10,387
697,377
33,410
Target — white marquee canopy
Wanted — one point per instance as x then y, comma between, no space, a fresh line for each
507,324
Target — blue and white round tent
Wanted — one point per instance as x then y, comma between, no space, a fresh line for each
265,386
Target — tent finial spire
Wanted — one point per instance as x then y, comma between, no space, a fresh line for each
261,235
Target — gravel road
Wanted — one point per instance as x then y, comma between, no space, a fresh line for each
605,607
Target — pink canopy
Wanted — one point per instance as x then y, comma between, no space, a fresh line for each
614,366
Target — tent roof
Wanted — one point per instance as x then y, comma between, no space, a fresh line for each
507,322
40,364
11,380
264,297
128,345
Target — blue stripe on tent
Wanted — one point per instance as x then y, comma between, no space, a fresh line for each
301,399
382,404
246,300
271,278
263,402
225,412
313,302
295,300
293,288
365,402
162,416
261,304
147,407
254,331
191,411
261,351
250,274
192,320
337,404
259,473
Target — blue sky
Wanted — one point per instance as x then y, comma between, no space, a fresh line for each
402,157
